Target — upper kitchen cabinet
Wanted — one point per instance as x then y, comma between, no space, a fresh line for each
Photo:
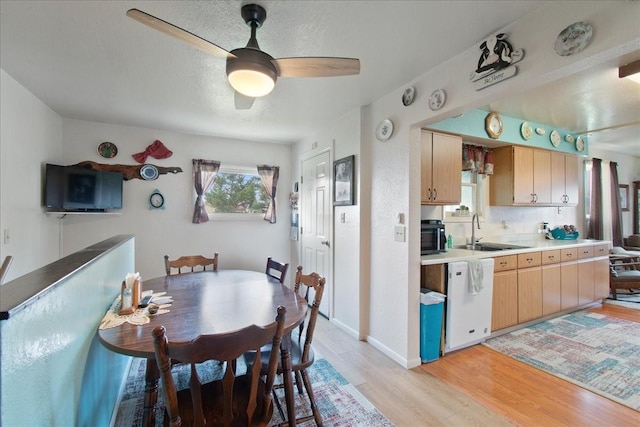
441,168
521,177
564,179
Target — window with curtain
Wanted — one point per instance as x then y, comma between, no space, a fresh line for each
269,176
237,194
471,198
204,175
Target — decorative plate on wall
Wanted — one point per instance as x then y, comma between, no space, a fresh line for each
149,172
541,131
408,95
526,130
108,150
384,130
573,39
554,137
437,99
580,144
569,138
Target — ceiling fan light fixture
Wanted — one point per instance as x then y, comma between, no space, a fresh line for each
253,83
251,72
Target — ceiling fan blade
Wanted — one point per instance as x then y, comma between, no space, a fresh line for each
243,102
179,33
317,67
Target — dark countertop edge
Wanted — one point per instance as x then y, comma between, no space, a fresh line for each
453,255
20,292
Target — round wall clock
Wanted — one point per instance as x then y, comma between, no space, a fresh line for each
156,200
493,125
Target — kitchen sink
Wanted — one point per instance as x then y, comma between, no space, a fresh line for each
486,246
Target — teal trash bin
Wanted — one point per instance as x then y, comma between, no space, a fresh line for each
431,309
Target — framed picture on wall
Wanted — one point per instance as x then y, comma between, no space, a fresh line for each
343,187
624,197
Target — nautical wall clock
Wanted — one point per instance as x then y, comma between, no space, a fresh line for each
156,200
493,125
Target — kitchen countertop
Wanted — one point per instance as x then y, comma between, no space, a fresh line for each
453,255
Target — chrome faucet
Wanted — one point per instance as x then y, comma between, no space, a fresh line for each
475,218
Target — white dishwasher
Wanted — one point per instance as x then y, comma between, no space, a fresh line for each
468,319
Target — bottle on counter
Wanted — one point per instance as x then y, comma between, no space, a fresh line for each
450,241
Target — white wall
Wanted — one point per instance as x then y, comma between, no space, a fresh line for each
30,135
241,244
393,276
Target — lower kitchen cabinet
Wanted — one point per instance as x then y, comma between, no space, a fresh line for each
568,285
529,293
551,296
586,281
601,275
504,310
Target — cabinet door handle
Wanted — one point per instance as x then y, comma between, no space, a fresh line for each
435,193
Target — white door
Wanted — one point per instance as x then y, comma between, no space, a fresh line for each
315,223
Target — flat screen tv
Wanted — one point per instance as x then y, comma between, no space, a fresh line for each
76,189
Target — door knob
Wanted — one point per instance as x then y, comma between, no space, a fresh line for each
325,242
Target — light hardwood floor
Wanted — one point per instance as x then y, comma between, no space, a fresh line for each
471,387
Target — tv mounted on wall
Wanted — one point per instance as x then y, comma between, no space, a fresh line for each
76,189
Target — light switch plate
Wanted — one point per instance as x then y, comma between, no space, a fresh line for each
399,232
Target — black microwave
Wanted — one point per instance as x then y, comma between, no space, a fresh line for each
433,238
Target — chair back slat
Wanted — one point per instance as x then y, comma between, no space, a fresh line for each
233,399
276,269
309,281
190,263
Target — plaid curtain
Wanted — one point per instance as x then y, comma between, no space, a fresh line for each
269,177
204,175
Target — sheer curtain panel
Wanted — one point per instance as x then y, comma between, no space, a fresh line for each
204,175
269,176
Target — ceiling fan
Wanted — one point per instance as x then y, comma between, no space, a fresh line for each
250,71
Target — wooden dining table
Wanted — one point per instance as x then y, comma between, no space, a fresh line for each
209,302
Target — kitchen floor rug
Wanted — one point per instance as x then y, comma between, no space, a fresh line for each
596,352
340,403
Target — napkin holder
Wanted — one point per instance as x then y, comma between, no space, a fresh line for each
126,301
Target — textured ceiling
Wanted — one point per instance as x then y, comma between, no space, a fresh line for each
88,60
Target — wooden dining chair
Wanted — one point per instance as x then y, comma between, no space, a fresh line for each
190,263
276,269
238,400
302,354
624,273
5,267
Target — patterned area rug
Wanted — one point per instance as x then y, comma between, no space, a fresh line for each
626,296
340,403
596,352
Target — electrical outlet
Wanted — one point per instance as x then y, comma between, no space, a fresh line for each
399,233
